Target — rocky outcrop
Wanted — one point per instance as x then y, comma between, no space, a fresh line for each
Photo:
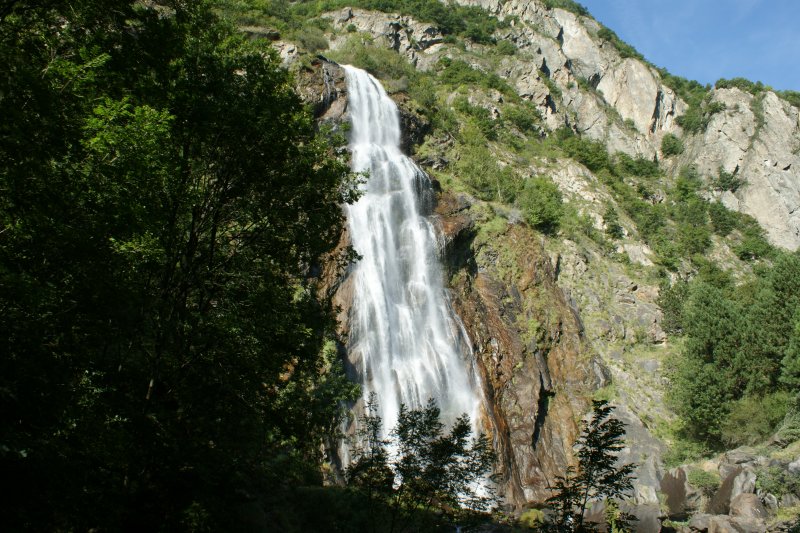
636,93
681,499
324,87
537,369
756,138
536,366
405,35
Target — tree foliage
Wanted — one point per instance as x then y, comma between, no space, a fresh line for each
163,198
541,203
740,352
420,473
671,145
598,477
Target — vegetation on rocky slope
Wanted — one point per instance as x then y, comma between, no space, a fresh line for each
488,142
167,201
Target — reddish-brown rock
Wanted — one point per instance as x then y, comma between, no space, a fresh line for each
537,369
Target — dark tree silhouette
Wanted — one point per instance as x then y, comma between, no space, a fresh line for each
597,476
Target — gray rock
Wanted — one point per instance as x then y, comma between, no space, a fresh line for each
760,146
681,498
739,480
700,522
770,501
748,506
789,500
727,524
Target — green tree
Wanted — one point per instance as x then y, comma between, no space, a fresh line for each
703,376
164,200
671,145
432,473
790,365
541,203
611,219
597,477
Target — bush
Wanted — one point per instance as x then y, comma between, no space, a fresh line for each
458,73
683,451
506,48
525,118
753,419
567,5
480,115
705,482
479,170
723,220
793,97
532,518
312,39
671,145
689,90
592,154
726,181
382,63
743,84
670,300
698,114
789,430
777,481
693,239
541,203
641,167
611,219
754,244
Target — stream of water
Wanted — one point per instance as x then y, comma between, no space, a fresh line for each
410,345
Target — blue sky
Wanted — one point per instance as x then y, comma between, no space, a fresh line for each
706,40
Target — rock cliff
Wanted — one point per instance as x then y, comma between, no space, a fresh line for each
580,80
552,320
537,370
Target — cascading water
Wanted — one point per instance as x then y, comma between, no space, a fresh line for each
410,345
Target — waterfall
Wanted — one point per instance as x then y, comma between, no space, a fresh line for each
407,341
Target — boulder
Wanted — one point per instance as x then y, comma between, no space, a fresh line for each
681,498
748,506
739,480
724,524
789,500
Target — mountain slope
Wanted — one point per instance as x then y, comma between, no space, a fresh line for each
643,163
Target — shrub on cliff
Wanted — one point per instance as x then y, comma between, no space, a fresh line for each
671,145
541,203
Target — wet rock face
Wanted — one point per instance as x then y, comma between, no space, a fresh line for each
537,370
414,125
324,87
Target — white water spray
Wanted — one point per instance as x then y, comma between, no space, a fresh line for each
410,345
